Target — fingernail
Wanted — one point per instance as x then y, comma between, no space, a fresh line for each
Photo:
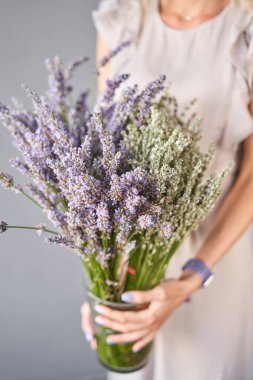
99,320
126,297
98,308
88,336
136,349
110,341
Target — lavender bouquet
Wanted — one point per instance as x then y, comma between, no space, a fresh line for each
123,182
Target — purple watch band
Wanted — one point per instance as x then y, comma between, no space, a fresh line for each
198,266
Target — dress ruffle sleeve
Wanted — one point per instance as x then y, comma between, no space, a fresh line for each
240,120
118,20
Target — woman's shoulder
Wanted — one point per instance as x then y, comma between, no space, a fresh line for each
240,123
118,20
242,40
243,15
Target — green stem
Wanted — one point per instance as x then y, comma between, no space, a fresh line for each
33,228
30,198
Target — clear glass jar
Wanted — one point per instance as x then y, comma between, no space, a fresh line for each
117,357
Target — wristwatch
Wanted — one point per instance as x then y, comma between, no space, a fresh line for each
200,267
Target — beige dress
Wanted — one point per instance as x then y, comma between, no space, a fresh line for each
210,338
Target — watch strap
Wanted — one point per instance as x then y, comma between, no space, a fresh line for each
199,266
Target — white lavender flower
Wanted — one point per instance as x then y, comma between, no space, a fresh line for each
166,229
129,247
41,227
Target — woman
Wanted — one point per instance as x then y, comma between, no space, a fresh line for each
205,48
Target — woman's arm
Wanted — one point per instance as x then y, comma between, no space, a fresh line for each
101,51
235,213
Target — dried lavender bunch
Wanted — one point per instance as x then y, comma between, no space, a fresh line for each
122,182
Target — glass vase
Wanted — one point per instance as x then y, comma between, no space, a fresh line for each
117,357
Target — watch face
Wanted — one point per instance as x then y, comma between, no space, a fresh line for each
208,281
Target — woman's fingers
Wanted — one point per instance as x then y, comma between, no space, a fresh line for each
146,296
142,316
144,341
86,325
127,337
118,326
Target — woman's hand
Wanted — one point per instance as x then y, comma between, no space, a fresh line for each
141,326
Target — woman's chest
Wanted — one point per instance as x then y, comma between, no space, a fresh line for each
197,66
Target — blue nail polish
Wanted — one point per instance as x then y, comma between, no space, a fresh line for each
126,297
110,341
99,320
88,336
98,308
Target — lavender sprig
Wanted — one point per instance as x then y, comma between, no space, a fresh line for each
5,226
104,60
7,182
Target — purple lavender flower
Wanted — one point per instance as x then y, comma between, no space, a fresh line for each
6,180
19,165
26,119
103,257
113,53
39,196
122,112
103,217
3,226
111,87
62,240
78,116
69,70
145,221
133,202
147,96
58,90
166,229
110,159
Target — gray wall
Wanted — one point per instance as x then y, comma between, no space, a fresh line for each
41,286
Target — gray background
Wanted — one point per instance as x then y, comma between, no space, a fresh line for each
41,286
